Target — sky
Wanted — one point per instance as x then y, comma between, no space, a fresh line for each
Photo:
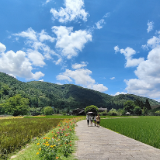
111,46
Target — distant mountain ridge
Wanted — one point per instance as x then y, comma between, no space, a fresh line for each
43,94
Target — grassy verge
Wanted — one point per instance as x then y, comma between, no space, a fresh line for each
53,116
15,133
144,129
30,152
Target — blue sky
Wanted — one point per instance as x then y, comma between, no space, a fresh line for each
112,46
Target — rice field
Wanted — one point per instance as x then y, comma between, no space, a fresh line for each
15,133
144,129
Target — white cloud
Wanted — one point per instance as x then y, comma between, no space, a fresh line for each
106,15
116,48
78,66
148,73
150,26
36,46
36,58
41,80
30,34
128,53
71,42
100,23
82,77
44,36
118,93
2,47
47,1
112,78
17,64
73,10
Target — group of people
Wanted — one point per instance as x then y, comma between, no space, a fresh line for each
92,118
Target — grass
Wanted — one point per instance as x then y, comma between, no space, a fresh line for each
30,152
15,133
144,129
54,116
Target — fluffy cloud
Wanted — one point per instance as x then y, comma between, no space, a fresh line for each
150,26
17,64
128,53
100,23
36,58
73,10
30,34
120,93
148,73
71,42
43,36
37,50
2,47
116,48
82,77
78,66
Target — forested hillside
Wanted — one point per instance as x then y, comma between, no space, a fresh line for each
41,94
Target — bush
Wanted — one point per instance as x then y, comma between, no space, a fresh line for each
157,113
137,110
113,112
91,108
48,110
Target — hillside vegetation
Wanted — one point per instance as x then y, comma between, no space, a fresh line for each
41,94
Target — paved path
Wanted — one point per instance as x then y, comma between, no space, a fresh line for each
102,144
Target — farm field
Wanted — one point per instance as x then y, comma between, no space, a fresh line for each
144,129
53,116
15,133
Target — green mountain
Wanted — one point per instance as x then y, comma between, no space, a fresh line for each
41,94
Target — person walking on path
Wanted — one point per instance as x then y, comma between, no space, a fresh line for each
98,120
88,117
95,120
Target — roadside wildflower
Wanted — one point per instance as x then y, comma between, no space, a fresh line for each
39,149
57,157
37,153
38,143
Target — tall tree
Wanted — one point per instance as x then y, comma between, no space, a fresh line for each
147,105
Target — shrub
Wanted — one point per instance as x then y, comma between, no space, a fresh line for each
157,113
137,110
91,108
48,110
113,112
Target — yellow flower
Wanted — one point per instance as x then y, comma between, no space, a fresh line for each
51,146
47,144
54,145
39,149
37,153
38,143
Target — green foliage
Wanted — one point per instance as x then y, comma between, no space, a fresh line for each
137,110
48,110
144,129
113,112
41,94
91,108
16,105
129,106
147,105
15,133
157,113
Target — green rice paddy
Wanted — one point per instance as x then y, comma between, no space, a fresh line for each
144,129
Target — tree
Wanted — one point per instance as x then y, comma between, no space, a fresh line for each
129,106
16,105
48,110
147,105
137,110
91,108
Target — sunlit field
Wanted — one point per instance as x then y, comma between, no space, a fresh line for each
144,129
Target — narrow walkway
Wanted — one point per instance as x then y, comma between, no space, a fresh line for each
102,144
